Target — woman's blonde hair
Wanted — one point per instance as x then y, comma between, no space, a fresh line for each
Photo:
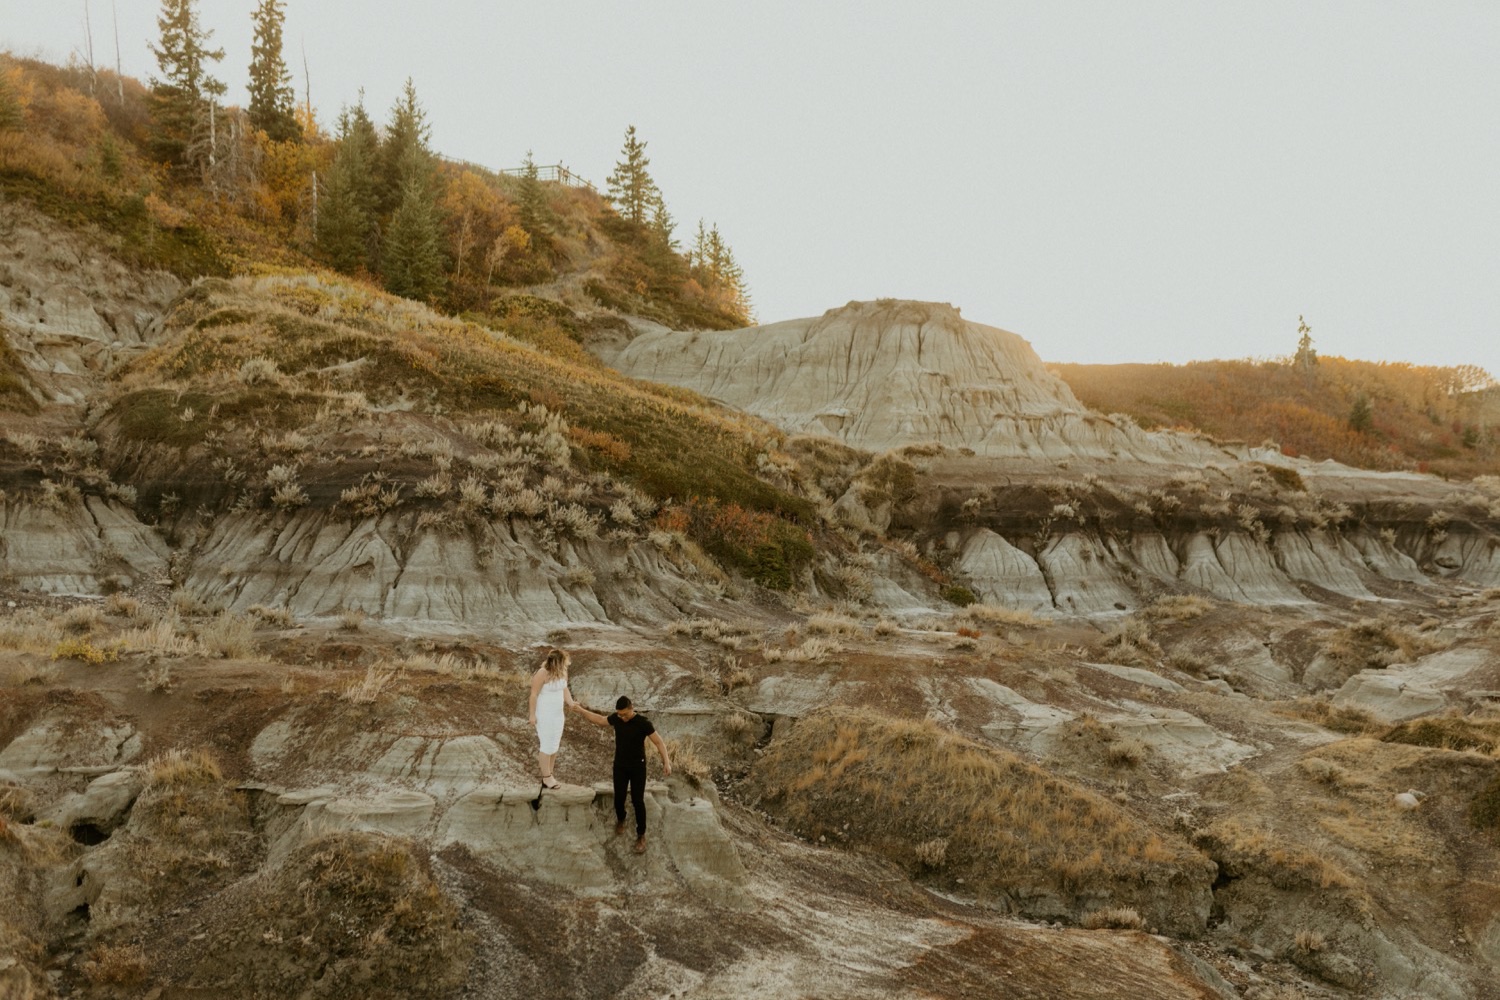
556,663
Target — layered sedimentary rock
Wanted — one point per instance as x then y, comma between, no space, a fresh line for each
889,373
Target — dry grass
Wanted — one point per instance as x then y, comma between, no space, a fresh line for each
82,620
1130,644
1374,643
365,903
157,678
29,631
1351,721
813,650
1309,941
228,637
740,728
1176,609
827,623
1117,918
367,689
1243,845
121,606
993,615
182,767
275,617
116,965
1448,733
686,760
352,619
889,784
163,637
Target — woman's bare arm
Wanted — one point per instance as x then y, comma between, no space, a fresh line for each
536,690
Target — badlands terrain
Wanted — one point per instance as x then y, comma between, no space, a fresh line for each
972,692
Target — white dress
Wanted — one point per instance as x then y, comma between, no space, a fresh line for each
549,715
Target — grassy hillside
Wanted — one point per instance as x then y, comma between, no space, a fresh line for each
1374,415
84,161
296,389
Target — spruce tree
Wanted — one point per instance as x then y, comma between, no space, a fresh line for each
663,226
183,94
412,261
1306,358
630,186
346,215
531,201
271,96
404,156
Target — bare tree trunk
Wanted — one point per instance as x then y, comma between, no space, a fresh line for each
88,34
307,85
315,201
119,66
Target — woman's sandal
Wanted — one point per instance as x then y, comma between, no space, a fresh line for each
555,783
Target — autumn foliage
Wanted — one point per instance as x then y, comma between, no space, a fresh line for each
1414,417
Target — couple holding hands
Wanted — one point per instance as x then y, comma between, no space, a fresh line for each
551,699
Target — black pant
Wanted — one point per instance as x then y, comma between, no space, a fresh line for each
633,777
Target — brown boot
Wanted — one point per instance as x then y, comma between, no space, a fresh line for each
619,828
640,844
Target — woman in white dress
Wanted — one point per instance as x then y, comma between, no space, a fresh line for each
550,698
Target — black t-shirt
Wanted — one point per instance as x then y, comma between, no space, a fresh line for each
630,738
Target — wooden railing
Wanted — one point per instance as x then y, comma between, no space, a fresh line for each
554,173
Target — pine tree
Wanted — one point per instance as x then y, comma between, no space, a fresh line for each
271,95
404,156
183,95
630,186
412,262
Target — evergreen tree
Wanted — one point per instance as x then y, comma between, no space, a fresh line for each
183,95
1361,414
412,262
630,186
346,215
1306,357
698,253
662,224
404,156
271,96
532,202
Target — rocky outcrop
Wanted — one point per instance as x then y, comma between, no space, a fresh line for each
68,309
888,373
1079,573
316,564
77,546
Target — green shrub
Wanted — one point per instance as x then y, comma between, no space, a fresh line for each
960,595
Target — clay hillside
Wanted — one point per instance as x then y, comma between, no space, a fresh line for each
969,690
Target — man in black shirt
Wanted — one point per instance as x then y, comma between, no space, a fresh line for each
631,732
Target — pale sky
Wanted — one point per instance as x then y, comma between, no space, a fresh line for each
1113,181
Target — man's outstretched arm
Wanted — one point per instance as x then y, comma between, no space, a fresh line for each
593,717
